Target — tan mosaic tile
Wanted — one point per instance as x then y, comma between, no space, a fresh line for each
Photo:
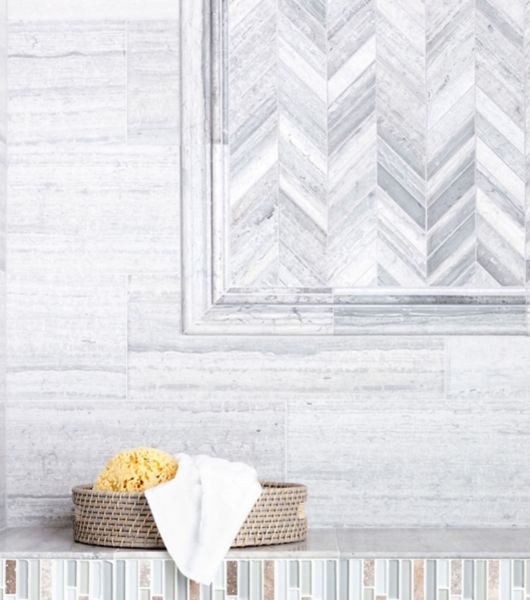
231,577
194,590
369,573
11,577
419,580
268,580
45,580
456,577
493,580
145,573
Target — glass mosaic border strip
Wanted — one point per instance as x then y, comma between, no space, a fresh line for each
286,579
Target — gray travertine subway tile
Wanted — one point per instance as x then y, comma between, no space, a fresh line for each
93,207
66,337
62,443
91,10
392,462
198,369
67,82
153,82
154,311
164,364
488,367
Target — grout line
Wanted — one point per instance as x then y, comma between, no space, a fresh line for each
525,152
285,438
278,149
127,82
425,150
475,160
4,517
327,186
446,367
127,305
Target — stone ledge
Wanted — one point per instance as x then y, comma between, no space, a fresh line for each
41,542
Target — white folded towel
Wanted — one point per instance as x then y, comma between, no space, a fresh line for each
201,510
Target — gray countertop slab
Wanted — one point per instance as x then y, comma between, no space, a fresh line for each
434,543
40,542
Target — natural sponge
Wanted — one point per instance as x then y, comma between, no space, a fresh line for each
136,470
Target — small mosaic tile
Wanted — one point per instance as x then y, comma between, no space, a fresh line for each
10,577
231,577
341,579
369,569
194,590
268,580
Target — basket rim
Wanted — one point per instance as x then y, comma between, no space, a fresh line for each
267,484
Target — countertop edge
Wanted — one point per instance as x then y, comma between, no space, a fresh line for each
325,544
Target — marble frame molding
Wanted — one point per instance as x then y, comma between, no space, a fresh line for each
211,307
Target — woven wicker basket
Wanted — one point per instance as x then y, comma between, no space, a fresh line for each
124,520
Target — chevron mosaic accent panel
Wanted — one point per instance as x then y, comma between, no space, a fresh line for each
361,148
377,143
286,579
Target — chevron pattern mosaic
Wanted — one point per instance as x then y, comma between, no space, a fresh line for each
353,579
376,143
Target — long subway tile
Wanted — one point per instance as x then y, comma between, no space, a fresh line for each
482,367
66,338
93,208
74,445
164,364
368,454
67,82
153,82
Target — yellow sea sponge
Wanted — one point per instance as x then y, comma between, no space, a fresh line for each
136,470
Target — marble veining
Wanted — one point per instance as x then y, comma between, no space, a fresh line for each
97,359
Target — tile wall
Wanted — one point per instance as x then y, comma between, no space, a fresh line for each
3,203
393,430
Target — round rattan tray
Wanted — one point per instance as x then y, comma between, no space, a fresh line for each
124,520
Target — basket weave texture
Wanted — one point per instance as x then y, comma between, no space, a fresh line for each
124,520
